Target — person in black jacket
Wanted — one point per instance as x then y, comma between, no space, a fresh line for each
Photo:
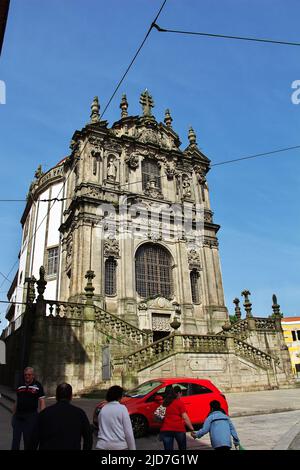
62,426
30,400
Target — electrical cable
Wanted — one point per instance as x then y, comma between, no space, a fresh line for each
134,57
224,36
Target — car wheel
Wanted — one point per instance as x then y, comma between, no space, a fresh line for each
139,425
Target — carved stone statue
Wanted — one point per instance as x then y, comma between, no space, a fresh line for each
186,186
111,169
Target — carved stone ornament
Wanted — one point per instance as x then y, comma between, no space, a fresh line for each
194,260
69,248
208,216
186,186
210,242
96,142
155,236
170,168
111,248
113,147
93,192
132,160
160,302
148,136
152,190
200,173
142,306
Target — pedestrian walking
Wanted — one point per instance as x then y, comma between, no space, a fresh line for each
175,421
62,426
30,399
115,429
220,428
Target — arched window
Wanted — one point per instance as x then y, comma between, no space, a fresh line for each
194,278
150,172
153,271
110,276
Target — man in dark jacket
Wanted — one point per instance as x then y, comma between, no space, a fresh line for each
62,426
30,400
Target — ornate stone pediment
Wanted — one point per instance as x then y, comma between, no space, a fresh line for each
161,303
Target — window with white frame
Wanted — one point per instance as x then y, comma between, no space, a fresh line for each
52,265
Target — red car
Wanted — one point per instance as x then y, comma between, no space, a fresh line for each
142,401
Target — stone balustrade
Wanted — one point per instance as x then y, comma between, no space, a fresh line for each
118,327
204,343
252,354
152,353
59,309
265,324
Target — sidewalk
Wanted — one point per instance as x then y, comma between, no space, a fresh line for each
264,420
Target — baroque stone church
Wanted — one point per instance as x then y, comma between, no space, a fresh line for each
121,236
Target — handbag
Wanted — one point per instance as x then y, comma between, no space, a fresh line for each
159,413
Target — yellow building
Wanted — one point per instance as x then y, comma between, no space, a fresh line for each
291,330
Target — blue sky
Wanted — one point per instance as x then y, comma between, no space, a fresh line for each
59,54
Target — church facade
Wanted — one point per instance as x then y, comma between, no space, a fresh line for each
125,232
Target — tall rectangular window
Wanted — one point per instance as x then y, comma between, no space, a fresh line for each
52,266
150,172
294,335
110,276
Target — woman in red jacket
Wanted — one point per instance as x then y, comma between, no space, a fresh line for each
175,421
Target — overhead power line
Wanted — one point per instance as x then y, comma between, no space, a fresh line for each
224,36
116,89
134,57
264,154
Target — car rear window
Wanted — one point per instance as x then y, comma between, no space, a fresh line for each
196,389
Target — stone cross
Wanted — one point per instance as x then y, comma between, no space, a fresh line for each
147,103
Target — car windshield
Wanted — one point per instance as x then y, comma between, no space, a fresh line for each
142,389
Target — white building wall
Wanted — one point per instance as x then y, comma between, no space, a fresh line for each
55,216
40,234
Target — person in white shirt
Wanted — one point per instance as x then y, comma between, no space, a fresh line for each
115,429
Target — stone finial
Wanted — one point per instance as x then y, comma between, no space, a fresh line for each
226,327
192,136
95,108
30,289
175,324
237,309
168,118
89,288
275,306
247,304
38,172
124,106
147,103
41,284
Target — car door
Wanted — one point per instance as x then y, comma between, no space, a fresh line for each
197,402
